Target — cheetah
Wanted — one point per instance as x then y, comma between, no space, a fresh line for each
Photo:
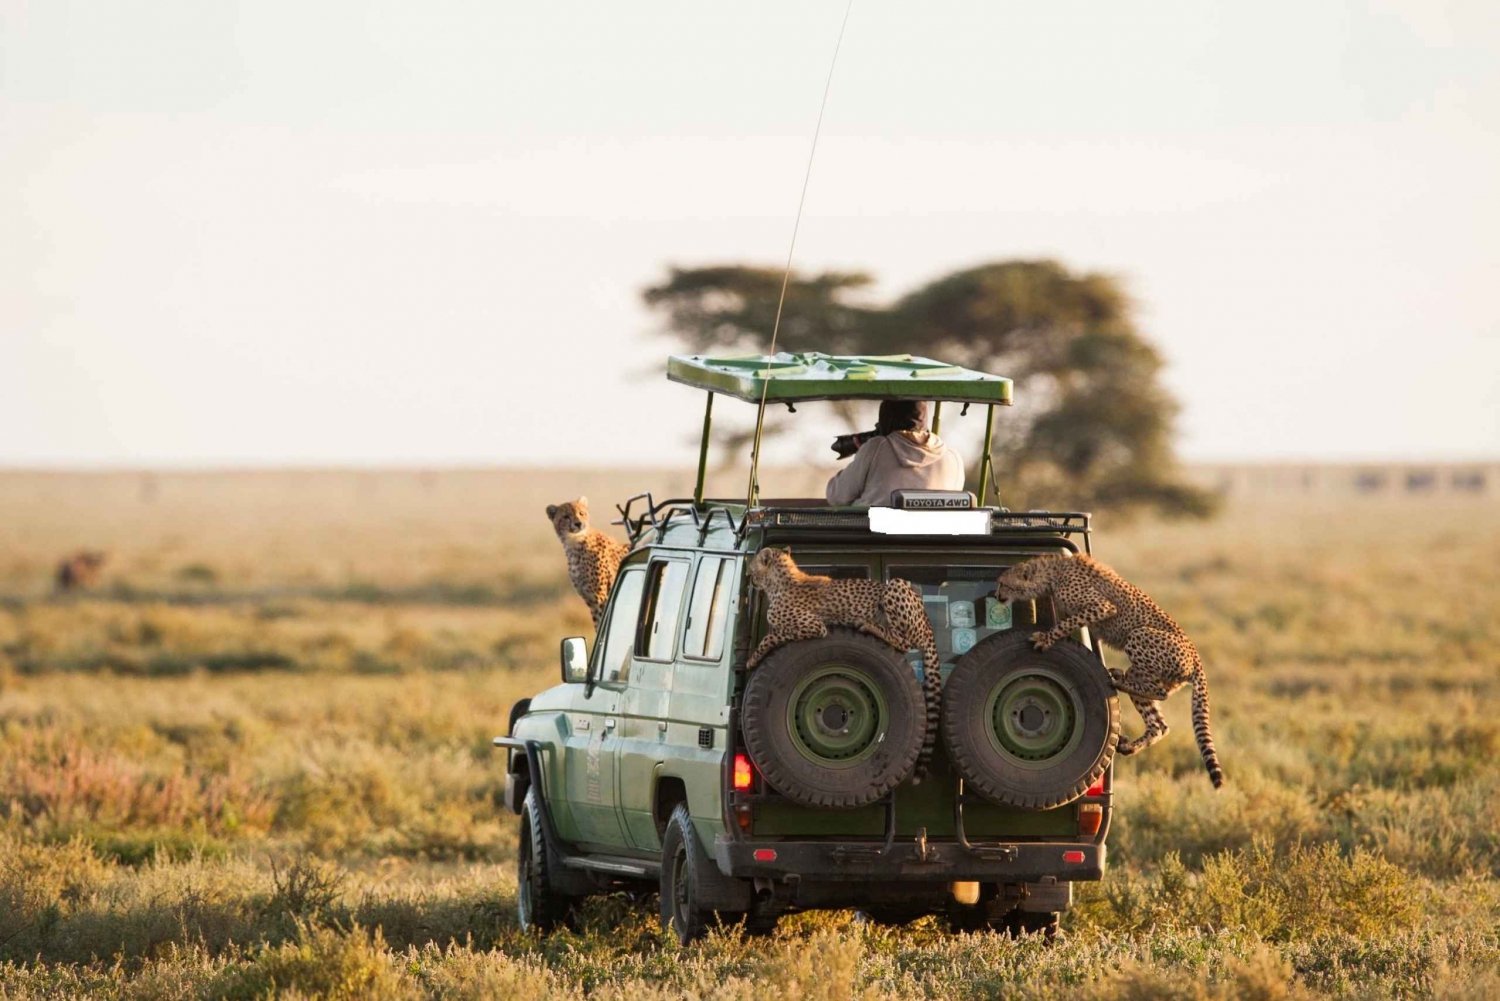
1162,658
593,557
79,571
802,606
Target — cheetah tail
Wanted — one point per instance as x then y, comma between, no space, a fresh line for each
1201,731
932,695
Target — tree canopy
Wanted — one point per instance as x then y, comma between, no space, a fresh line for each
1092,424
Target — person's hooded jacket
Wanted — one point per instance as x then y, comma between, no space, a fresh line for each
901,460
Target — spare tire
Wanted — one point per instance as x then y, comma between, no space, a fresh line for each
836,721
1026,727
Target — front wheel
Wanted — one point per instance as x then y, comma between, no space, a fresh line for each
1045,923
540,907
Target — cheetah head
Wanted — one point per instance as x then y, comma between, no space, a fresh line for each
569,520
1022,582
770,567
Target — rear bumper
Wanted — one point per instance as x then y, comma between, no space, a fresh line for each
909,861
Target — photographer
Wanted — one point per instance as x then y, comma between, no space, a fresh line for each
901,454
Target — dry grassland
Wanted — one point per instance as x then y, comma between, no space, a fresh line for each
255,760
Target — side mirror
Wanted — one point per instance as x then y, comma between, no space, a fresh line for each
574,655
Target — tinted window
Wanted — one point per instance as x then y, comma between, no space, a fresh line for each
659,625
708,609
619,632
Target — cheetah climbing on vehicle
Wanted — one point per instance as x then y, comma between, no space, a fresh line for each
593,557
802,606
1085,592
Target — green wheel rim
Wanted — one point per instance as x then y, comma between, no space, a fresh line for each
1034,718
836,716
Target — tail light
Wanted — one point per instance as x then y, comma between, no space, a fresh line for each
1090,818
1097,789
744,775
1073,858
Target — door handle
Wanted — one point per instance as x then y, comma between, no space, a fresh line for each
609,724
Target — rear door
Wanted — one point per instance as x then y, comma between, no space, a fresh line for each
645,701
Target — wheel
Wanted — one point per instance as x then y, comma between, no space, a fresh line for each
540,907
760,925
682,879
835,722
1029,728
1019,923
968,918
891,917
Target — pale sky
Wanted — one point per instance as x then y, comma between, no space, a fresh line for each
354,232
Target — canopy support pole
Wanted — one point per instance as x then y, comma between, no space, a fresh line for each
986,462
937,416
708,413
752,491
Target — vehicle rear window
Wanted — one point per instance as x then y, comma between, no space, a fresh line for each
960,604
704,637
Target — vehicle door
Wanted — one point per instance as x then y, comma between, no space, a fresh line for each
590,755
698,734
646,697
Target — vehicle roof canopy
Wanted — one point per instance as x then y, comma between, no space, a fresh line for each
812,375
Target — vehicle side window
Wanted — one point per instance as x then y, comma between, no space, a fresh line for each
663,609
619,632
704,639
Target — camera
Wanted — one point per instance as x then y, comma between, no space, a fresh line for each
847,444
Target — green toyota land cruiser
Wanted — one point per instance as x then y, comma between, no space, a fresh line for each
638,768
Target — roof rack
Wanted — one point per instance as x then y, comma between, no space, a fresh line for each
658,516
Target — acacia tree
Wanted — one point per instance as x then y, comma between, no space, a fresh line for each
1092,424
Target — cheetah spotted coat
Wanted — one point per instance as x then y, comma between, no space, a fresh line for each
1085,592
802,606
593,557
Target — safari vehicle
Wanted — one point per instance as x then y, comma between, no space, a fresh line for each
645,765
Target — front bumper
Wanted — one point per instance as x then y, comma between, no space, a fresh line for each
910,861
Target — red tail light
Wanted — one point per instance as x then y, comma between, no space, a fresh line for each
1090,818
1097,789
1073,857
743,775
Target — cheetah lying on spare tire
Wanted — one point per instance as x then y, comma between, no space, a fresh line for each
802,606
1162,658
593,557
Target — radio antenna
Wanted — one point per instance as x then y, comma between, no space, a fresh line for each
752,492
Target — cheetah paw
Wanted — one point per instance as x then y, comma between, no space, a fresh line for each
1042,641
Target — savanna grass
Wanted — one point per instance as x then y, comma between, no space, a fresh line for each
257,761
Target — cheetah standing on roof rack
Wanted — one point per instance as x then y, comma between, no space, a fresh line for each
593,557
1162,658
